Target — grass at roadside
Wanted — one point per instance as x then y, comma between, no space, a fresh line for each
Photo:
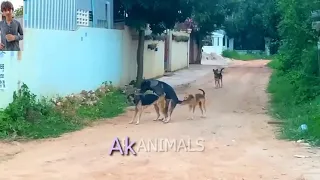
29,118
292,109
244,57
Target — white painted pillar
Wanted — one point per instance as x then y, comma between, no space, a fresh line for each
188,50
220,42
226,41
267,46
213,41
231,41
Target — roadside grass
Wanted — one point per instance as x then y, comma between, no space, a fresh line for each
244,57
290,103
28,117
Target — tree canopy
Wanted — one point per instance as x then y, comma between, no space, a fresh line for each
159,14
252,21
18,12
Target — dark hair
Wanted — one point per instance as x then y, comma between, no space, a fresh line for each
6,5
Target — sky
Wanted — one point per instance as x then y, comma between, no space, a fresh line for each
16,3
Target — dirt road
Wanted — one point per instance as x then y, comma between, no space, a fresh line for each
239,145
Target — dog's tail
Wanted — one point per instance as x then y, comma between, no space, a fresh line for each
204,93
221,70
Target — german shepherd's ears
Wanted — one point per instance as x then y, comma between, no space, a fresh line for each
217,70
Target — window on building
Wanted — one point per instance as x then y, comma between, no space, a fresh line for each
82,17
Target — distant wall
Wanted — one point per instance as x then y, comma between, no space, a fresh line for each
153,65
60,62
153,60
178,52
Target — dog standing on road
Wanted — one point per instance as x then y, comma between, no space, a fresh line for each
194,100
143,101
160,88
218,77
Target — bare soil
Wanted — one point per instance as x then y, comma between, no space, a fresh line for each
239,144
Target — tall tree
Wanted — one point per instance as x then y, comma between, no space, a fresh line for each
159,14
251,22
18,12
209,16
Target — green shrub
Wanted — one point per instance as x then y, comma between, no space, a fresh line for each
295,98
26,117
111,105
245,57
292,102
180,38
295,83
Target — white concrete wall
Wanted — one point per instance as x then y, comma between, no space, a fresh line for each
217,44
153,60
129,62
153,65
178,52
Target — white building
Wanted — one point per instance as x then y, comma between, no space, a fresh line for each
220,42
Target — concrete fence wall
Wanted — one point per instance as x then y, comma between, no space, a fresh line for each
178,52
63,62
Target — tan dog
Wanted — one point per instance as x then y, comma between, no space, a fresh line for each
143,101
194,100
218,77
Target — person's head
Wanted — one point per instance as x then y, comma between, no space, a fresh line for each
7,9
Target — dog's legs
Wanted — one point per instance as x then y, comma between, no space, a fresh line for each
140,109
202,106
217,83
193,110
156,107
172,105
135,115
221,82
190,109
162,104
168,109
140,113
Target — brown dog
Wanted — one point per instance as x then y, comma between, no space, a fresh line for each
143,101
194,100
218,77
